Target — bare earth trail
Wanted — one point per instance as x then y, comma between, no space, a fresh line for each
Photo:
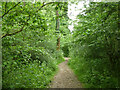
65,78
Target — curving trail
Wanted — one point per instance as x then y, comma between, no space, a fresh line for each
65,77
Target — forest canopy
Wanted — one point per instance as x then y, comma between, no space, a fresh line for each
35,39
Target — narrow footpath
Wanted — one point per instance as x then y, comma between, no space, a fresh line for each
65,78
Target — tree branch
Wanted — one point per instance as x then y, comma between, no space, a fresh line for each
26,20
44,5
10,10
10,34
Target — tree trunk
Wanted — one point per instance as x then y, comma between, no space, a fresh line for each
58,43
57,29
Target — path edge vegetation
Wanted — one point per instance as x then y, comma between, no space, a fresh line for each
95,46
30,40
29,44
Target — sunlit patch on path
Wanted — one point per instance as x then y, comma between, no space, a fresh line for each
65,78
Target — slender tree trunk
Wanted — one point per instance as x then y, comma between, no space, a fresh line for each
57,30
58,43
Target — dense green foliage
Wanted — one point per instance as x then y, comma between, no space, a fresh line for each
29,39
29,53
95,48
65,50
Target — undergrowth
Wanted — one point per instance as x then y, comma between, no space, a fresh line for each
92,75
32,68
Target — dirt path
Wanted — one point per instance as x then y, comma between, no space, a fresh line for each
65,77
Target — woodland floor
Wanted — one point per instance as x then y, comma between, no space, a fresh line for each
65,78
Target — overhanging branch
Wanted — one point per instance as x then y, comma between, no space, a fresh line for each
10,34
44,5
10,9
